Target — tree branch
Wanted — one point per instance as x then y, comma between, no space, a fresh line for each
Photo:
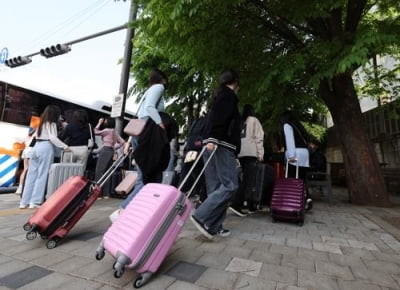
272,22
355,9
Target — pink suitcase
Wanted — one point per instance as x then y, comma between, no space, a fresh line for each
288,199
145,231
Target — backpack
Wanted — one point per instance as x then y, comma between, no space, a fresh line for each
194,141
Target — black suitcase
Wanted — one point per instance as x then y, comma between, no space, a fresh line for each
259,189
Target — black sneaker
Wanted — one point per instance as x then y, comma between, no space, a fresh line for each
237,211
202,228
252,209
224,233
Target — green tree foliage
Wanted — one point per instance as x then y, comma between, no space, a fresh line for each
297,54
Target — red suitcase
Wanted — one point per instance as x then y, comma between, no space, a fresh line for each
288,199
279,171
56,217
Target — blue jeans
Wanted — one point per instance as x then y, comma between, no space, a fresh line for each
36,180
222,182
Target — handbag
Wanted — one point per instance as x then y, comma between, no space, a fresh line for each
135,127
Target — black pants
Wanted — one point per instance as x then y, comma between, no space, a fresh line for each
247,176
302,171
104,161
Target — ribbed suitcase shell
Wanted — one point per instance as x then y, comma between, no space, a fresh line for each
288,201
56,217
59,173
145,231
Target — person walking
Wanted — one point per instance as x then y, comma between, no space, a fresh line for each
223,135
296,148
25,157
252,151
41,157
152,103
111,140
76,134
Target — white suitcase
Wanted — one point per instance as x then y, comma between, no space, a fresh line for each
60,172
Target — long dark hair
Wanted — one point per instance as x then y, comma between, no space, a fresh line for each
51,114
80,118
289,118
109,123
248,111
157,77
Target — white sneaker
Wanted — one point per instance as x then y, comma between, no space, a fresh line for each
114,215
19,190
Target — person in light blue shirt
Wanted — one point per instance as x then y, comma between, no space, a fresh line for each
151,104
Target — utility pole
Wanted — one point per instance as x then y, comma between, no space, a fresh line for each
126,65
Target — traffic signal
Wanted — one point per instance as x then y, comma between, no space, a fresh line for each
55,50
17,61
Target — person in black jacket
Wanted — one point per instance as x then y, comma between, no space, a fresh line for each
222,129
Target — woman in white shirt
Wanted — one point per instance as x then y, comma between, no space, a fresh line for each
41,158
296,144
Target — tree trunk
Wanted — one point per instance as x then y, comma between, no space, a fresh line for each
365,180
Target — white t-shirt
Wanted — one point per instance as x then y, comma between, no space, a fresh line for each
301,154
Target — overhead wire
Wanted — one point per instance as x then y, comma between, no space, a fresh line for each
58,28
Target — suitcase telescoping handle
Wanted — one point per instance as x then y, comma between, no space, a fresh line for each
201,172
287,168
66,153
103,179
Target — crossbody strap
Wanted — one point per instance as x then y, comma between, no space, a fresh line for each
90,130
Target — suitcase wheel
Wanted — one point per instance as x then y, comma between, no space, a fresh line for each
43,237
118,273
141,280
31,235
100,255
119,269
51,244
27,227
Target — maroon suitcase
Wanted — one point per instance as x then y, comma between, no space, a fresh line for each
288,199
56,217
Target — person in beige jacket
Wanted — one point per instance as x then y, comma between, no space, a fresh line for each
252,150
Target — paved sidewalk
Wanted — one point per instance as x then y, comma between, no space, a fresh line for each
339,247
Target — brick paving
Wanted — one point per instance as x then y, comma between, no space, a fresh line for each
340,246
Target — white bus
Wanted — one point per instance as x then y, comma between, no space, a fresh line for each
19,110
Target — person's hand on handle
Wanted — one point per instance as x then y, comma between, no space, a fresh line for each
127,146
210,146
